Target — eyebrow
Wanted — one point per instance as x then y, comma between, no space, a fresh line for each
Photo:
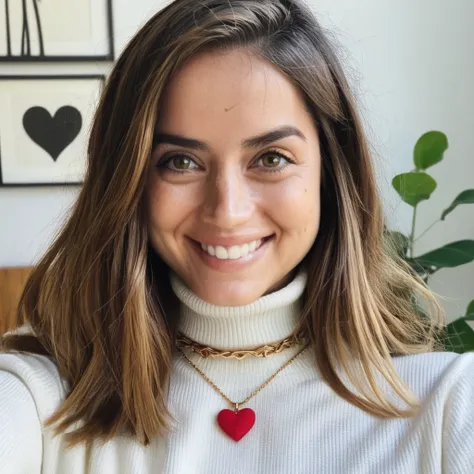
254,142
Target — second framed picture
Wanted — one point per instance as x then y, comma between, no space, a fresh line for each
56,30
44,127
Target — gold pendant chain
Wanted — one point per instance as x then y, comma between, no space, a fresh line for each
234,404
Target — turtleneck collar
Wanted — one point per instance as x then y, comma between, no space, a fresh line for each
269,319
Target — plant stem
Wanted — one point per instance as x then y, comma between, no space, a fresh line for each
412,235
430,227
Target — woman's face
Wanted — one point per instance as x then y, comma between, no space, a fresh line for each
234,182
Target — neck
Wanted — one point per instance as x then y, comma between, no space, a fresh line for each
271,318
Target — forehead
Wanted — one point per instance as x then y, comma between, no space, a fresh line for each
236,92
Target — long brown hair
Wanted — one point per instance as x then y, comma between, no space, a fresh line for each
93,299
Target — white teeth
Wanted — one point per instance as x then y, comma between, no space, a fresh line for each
209,249
222,253
232,253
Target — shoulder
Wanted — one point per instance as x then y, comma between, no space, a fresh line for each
29,393
442,372
445,381
39,375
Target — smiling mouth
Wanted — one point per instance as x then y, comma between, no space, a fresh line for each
234,252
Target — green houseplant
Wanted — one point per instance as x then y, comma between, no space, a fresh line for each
415,187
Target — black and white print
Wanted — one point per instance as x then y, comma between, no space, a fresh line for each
44,127
56,30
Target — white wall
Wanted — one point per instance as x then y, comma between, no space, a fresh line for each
413,70
412,67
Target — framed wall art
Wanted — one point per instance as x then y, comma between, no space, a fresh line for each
44,128
56,30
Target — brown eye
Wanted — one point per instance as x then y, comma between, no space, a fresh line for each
178,164
271,160
181,162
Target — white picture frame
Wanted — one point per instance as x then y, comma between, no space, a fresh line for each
56,30
45,123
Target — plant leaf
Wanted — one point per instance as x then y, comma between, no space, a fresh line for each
398,241
470,311
458,337
451,255
421,269
414,187
466,197
429,149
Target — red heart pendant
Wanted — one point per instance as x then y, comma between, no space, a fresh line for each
236,425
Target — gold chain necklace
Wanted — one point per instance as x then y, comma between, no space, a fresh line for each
183,341
237,423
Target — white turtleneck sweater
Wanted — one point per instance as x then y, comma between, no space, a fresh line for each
301,425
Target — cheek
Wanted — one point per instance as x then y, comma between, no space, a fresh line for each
296,205
168,206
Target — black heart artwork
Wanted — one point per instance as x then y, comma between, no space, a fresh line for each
53,134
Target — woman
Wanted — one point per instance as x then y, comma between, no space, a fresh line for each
221,299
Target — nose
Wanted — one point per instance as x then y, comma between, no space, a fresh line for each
228,200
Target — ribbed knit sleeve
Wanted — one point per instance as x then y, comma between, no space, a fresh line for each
458,429
20,428
30,392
